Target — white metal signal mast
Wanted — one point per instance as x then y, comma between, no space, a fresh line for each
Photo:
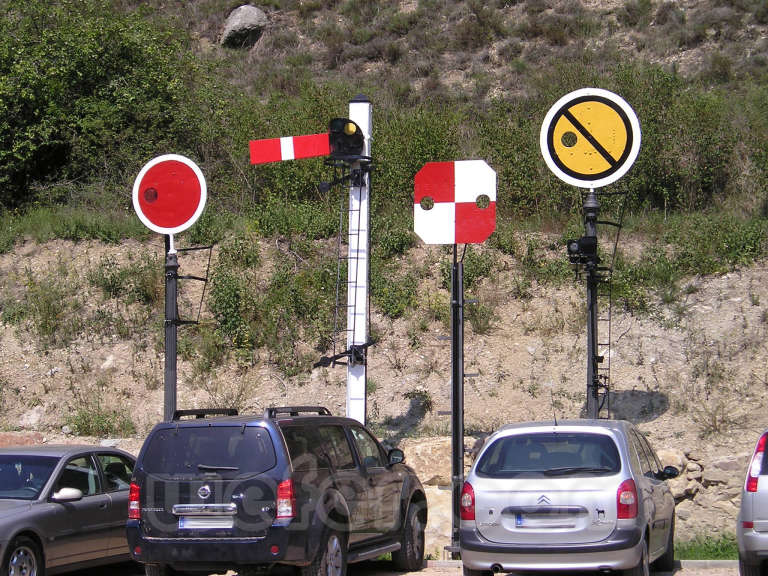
358,266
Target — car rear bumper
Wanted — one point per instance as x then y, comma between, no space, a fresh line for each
753,545
280,546
620,551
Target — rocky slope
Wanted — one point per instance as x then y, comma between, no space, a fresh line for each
693,374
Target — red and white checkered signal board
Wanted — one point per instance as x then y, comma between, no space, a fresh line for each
454,202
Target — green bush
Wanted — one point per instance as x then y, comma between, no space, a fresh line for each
477,265
94,419
296,306
690,244
84,86
240,251
233,305
140,280
393,291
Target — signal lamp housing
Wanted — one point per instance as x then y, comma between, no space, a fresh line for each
346,138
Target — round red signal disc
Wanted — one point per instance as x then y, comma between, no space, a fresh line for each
169,194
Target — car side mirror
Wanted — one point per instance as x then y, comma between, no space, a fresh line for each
67,495
396,456
669,472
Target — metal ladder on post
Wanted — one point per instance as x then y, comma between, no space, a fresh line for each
342,339
353,280
605,311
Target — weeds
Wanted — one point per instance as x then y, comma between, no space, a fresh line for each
421,400
723,547
227,393
95,419
481,317
93,415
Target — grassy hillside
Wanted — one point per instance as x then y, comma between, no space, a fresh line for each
92,89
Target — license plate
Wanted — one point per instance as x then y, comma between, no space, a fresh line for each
205,522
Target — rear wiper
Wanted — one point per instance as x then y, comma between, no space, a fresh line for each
209,467
574,469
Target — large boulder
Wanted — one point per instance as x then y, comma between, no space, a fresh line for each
669,457
243,27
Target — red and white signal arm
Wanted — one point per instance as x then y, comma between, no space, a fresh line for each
454,202
169,194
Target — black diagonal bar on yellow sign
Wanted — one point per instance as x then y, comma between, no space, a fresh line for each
590,137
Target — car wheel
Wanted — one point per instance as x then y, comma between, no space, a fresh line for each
749,569
470,572
643,568
666,562
410,557
23,558
331,558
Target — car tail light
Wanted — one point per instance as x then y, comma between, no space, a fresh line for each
748,525
756,465
467,502
286,500
626,500
134,508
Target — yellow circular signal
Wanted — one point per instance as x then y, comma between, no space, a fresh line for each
350,128
590,138
595,155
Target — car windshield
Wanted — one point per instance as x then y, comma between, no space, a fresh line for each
23,476
550,454
229,451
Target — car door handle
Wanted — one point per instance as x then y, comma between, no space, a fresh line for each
103,506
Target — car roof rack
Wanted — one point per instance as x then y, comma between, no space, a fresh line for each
273,411
203,412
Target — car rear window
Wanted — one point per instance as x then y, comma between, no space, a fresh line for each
550,454
226,450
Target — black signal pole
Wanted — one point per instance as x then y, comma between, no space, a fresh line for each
171,324
457,395
591,211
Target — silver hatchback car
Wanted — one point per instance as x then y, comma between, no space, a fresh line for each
752,522
578,495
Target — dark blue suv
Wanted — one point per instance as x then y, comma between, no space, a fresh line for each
295,486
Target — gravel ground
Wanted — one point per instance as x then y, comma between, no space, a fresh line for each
451,568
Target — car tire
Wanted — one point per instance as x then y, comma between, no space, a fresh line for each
666,562
331,558
410,557
746,569
643,567
470,572
23,558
